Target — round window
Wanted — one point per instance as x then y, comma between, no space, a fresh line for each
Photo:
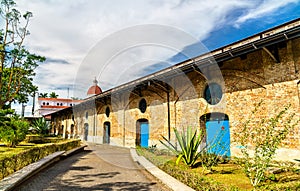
213,93
107,112
143,105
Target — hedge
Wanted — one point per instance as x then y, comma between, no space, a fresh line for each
11,164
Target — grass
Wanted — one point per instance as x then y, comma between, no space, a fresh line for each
228,177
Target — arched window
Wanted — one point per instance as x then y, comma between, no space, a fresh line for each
143,105
213,93
107,111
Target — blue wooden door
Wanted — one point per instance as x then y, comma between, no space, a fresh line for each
144,134
218,137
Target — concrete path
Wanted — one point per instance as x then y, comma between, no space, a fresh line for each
99,167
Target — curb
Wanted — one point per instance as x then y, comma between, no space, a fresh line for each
165,178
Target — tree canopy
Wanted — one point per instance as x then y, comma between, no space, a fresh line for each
17,64
53,95
43,95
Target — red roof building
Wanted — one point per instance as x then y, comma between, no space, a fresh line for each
50,105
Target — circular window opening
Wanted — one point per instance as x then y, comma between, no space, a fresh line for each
143,105
107,112
213,93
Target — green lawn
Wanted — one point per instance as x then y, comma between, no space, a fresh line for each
229,176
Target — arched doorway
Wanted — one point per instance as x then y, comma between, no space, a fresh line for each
217,133
72,131
85,131
142,133
106,133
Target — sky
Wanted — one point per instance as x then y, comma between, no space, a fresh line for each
116,41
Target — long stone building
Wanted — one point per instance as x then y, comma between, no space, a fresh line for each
215,91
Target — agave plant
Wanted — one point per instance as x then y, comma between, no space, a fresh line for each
189,142
41,126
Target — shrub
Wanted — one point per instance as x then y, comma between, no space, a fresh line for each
265,137
11,164
13,129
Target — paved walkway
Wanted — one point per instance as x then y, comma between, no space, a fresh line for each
99,167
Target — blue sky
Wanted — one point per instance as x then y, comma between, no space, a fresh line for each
231,33
76,36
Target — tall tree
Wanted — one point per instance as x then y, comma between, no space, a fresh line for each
33,99
17,64
53,95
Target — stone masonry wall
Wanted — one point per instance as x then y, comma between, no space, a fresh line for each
246,81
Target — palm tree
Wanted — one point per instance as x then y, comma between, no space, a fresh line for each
43,95
53,95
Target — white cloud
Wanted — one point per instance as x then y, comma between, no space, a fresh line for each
260,9
68,30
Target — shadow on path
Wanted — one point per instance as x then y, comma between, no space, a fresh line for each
134,186
86,171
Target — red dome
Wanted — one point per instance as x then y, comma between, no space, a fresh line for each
94,89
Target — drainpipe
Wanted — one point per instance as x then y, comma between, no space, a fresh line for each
298,83
169,120
95,123
124,128
175,112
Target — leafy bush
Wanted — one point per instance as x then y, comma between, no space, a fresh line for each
13,129
208,160
10,164
265,137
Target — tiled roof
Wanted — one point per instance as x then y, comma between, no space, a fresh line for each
58,99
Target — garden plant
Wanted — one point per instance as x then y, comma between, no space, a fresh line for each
189,143
13,129
193,151
263,139
41,126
